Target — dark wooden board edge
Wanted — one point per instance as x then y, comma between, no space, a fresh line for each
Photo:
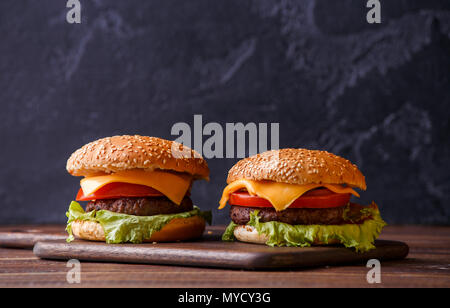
26,236
26,240
274,258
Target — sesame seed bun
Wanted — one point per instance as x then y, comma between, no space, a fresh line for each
119,153
298,166
249,234
178,229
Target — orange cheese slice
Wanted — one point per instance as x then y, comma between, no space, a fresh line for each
173,186
280,195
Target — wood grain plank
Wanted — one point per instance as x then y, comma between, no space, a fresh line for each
424,267
212,252
27,236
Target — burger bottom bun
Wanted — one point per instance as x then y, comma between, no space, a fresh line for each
178,229
249,234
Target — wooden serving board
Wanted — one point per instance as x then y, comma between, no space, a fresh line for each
212,252
27,236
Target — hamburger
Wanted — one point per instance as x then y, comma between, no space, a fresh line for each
136,190
299,197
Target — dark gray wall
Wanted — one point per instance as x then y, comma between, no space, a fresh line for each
376,94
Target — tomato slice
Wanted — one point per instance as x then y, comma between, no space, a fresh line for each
119,190
318,198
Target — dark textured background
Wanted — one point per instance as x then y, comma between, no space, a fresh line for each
376,94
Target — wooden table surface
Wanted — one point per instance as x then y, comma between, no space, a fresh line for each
427,265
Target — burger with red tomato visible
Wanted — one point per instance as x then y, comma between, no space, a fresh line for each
137,189
299,197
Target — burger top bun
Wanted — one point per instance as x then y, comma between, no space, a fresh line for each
298,166
119,153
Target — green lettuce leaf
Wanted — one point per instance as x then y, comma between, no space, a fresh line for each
358,236
123,228
228,235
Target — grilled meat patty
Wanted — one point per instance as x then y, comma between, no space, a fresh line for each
350,213
141,206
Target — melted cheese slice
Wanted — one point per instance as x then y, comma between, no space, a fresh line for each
173,186
280,195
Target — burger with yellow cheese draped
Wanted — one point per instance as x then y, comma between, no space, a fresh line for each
137,191
299,197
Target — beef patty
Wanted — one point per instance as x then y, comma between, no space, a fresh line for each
302,216
141,206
